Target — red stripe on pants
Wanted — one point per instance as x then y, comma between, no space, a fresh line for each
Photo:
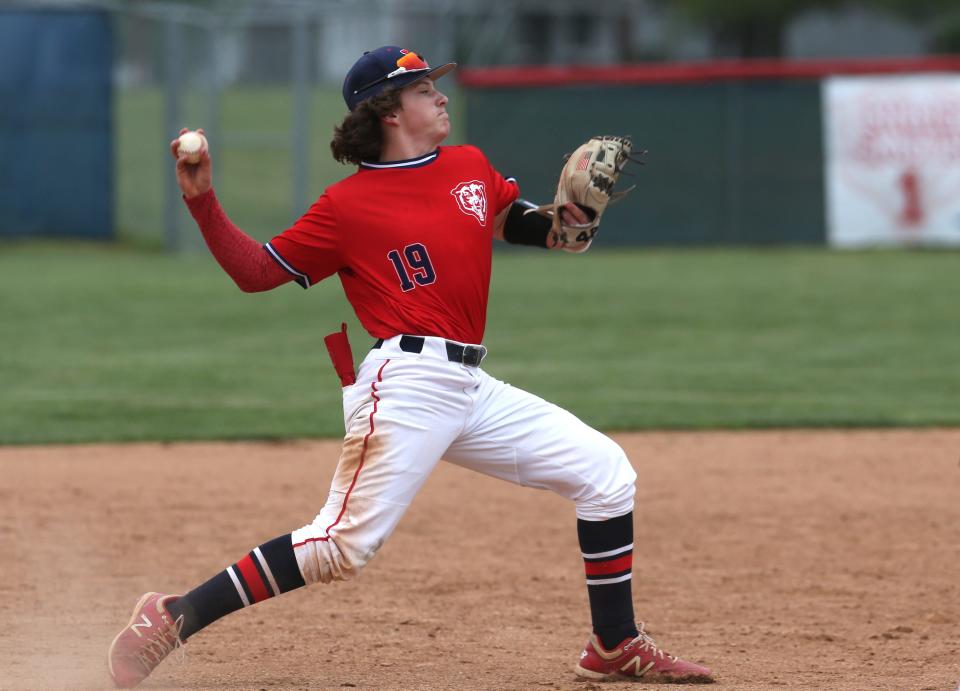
601,568
363,451
250,574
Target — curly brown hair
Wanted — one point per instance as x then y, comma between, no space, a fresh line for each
360,137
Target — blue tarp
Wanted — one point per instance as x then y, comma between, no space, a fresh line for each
56,153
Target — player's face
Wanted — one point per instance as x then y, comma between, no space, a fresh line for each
423,112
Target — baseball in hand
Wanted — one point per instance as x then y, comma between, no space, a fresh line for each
191,145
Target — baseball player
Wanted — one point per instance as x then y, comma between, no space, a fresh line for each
409,235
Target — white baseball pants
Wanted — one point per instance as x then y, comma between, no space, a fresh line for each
407,411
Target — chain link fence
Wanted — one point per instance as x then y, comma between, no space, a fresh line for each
256,80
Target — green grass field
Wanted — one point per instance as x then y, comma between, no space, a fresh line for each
119,342
110,343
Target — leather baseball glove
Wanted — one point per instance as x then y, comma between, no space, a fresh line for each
587,179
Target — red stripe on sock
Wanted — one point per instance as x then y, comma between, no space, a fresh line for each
250,574
363,455
601,568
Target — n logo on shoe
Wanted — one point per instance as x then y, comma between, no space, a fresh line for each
145,625
635,663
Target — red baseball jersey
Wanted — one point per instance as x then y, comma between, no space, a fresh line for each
411,241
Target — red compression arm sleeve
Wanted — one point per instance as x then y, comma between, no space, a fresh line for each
242,257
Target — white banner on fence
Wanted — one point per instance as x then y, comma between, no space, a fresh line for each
892,156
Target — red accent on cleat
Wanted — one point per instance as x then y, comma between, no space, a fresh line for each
146,640
635,658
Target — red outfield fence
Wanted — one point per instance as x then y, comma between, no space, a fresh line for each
698,72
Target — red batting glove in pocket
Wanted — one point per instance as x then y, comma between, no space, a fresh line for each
338,345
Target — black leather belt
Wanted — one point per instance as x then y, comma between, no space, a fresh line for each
469,355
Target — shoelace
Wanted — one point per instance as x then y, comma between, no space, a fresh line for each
650,644
164,641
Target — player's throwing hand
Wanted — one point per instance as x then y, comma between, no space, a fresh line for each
193,178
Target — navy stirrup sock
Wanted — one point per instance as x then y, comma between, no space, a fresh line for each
607,548
267,571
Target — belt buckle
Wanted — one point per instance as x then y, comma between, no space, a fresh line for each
473,355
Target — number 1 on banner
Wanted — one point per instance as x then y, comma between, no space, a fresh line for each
417,266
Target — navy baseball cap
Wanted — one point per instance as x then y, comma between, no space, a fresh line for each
386,67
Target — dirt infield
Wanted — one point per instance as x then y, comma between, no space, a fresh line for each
820,560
